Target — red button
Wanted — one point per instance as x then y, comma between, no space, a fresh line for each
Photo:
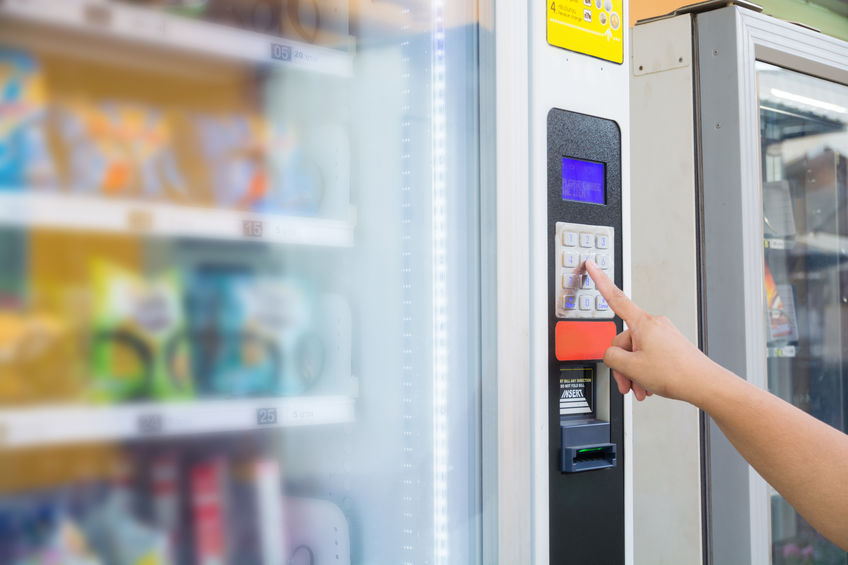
583,341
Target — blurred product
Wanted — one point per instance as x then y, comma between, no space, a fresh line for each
258,15
120,149
25,157
233,151
40,359
140,348
115,532
323,22
297,182
191,8
258,509
254,335
208,511
43,537
780,301
165,483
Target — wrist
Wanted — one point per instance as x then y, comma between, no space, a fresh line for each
719,388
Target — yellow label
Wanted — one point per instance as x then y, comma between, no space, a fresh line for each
592,27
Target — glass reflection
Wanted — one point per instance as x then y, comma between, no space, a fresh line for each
804,134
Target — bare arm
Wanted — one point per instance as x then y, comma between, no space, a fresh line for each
804,459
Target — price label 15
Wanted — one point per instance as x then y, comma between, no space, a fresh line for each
252,228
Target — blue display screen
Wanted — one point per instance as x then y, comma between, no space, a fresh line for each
583,181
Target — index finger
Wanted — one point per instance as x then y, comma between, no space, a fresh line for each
615,297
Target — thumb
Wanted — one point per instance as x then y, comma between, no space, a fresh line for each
619,359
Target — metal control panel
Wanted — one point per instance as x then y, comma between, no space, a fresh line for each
585,413
576,295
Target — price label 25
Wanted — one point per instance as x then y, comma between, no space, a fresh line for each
266,416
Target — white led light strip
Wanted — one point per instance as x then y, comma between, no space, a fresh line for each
440,342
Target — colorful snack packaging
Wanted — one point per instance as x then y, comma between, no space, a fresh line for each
25,157
232,148
120,149
140,348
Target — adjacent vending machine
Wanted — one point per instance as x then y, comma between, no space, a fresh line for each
741,178
299,282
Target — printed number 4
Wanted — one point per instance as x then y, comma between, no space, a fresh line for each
553,6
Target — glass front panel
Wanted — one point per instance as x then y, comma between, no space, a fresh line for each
804,134
239,292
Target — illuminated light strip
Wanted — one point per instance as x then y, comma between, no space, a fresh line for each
440,341
815,103
411,497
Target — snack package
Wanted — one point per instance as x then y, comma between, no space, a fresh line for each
254,335
782,325
166,495
233,160
115,531
297,183
120,149
40,359
139,347
258,535
209,500
25,157
231,358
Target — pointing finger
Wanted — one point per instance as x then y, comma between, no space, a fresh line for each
615,297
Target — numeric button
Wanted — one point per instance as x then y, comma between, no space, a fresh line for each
570,260
588,283
603,260
585,301
569,238
587,240
602,242
569,281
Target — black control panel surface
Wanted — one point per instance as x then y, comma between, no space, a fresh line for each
586,508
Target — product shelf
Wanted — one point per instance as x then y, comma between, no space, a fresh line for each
67,424
110,20
49,210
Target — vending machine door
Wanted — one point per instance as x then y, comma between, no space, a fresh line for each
240,283
774,137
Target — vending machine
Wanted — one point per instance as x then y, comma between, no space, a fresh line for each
742,177
293,282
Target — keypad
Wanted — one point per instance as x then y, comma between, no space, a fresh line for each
576,293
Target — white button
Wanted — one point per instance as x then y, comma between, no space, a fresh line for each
588,283
569,281
603,260
570,260
586,257
603,242
585,301
569,302
587,240
569,238
601,304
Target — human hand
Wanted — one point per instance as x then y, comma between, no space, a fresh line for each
651,355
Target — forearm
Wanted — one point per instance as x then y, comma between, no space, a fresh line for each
805,460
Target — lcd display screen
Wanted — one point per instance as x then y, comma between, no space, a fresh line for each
583,181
